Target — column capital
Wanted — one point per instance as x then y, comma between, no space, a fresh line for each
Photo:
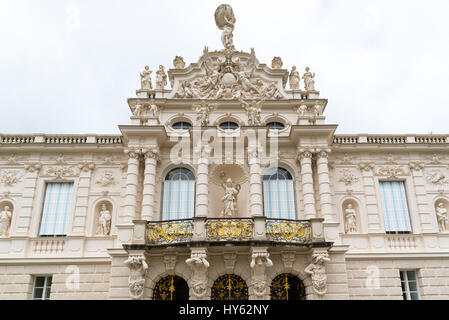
152,152
133,153
304,154
323,153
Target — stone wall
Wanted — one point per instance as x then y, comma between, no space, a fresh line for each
433,278
16,281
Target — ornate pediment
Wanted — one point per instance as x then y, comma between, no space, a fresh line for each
228,74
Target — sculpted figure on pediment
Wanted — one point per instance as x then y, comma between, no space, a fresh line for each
161,78
228,76
145,79
294,79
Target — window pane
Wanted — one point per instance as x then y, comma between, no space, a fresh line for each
56,209
411,275
414,296
39,282
413,285
395,206
38,292
47,293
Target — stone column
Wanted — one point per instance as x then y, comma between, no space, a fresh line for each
198,282
324,186
149,183
260,260
202,184
305,158
132,177
255,189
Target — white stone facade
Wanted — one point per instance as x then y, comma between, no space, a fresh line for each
126,174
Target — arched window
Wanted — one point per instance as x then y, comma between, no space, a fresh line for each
229,125
275,125
181,125
279,194
178,198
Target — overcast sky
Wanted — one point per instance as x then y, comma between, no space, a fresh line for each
69,66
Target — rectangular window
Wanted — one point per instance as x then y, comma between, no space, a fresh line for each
409,283
279,199
178,200
55,214
394,201
42,287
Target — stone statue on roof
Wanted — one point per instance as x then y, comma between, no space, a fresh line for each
225,20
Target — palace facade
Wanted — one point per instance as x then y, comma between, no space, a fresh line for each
229,185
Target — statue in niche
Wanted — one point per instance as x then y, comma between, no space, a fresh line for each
294,79
253,111
145,79
5,221
317,271
443,220
350,219
230,197
225,20
104,221
309,82
179,63
161,78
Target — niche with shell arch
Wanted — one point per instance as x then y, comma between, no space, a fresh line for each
6,216
239,176
102,224
351,216
441,206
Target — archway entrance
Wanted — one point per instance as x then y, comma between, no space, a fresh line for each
171,288
229,287
287,287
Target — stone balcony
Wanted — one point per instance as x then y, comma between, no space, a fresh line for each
201,231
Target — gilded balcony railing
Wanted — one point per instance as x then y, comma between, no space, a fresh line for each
229,229
169,232
289,231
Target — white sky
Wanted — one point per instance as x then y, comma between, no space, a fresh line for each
69,66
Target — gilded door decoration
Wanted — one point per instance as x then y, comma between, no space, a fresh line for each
229,287
289,231
171,288
169,232
287,287
229,229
